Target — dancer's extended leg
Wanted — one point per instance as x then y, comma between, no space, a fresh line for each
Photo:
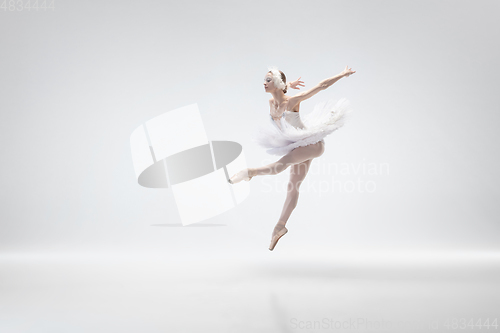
297,174
297,155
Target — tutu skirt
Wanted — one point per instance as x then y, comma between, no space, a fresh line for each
325,118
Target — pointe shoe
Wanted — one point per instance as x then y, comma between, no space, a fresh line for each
238,177
276,237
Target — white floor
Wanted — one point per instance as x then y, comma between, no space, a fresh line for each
348,292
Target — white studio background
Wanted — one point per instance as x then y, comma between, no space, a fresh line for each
76,81
397,220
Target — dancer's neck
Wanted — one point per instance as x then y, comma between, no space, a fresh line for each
279,96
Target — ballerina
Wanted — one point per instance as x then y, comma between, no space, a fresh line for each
299,142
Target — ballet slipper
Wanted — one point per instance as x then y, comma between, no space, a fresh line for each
238,177
277,236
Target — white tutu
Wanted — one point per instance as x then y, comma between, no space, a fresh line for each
298,131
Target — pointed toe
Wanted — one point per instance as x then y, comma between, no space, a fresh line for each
277,237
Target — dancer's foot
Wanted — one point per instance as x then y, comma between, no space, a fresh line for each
278,232
241,175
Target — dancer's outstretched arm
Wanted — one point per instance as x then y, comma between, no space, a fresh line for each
294,100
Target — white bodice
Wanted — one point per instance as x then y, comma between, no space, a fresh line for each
292,117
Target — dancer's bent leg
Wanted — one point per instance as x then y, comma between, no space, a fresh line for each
297,155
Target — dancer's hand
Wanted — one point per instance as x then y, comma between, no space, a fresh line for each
296,83
347,71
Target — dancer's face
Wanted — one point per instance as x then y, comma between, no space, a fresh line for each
268,83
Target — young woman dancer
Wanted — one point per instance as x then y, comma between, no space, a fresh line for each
300,140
